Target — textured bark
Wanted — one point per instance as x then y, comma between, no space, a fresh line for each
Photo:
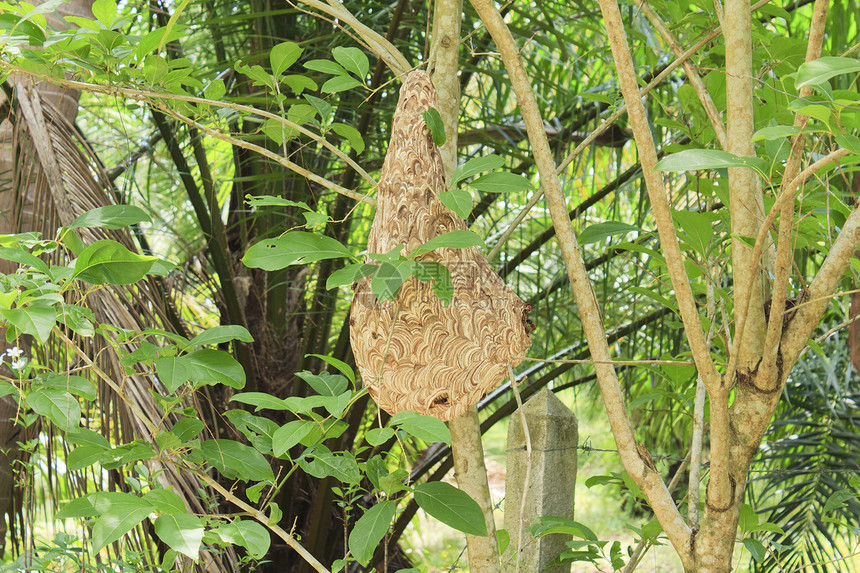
471,474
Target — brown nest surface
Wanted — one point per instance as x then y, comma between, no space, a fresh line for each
414,352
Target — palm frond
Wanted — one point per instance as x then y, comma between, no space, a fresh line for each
58,178
813,451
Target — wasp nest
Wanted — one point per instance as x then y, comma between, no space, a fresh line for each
415,353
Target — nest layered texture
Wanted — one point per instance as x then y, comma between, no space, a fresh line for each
413,352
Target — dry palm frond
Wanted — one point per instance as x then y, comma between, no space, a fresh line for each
57,177
414,353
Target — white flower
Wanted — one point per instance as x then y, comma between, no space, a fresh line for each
18,364
15,352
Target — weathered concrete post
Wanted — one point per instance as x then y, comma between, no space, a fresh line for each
553,431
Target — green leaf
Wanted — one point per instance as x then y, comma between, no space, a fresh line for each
325,383
369,530
257,429
77,385
378,436
108,262
388,279
352,135
321,107
339,84
615,556
458,201
289,435
461,239
822,69
187,429
599,231
756,549
33,320
182,532
80,507
350,274
83,457
294,248
111,217
23,258
748,518
322,464
699,159
435,125
425,428
58,405
219,334
299,83
215,90
104,11
451,506
335,405
502,182
78,319
261,400
248,534
697,230
503,538
86,437
117,516
127,453
326,67
209,366
475,166
651,529
235,460
283,56
278,132
342,366
775,132
443,286
849,142
257,201
173,371
353,60
838,499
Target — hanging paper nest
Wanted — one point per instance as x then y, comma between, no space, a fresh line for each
414,352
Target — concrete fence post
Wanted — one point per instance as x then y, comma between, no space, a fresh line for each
553,431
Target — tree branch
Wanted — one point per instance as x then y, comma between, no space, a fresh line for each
785,245
646,478
692,74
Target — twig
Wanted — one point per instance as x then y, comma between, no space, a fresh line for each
527,478
152,98
375,42
262,518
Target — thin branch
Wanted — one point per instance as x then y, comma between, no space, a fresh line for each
153,98
266,153
262,518
662,210
527,477
644,544
744,283
692,74
648,480
817,296
375,42
785,245
612,118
